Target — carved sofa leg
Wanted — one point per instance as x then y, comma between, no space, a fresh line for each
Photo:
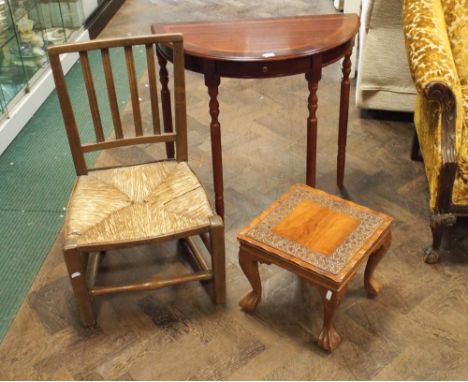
438,222
415,150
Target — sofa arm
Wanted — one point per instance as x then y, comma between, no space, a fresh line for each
427,44
446,100
439,113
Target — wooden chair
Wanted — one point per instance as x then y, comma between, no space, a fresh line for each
133,205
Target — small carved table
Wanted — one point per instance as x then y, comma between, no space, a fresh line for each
321,238
263,48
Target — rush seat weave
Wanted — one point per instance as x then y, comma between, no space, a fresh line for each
136,203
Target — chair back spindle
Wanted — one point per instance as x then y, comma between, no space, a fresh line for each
151,65
133,84
78,149
113,104
180,103
91,91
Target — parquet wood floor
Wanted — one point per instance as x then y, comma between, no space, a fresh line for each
416,328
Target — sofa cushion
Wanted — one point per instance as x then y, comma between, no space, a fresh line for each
456,18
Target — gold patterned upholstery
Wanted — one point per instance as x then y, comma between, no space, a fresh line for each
135,203
436,33
460,188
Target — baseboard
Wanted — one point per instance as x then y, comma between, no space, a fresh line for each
96,23
22,112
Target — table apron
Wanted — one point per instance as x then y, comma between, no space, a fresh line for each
258,69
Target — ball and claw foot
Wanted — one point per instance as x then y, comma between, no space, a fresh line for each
431,256
250,301
329,339
373,287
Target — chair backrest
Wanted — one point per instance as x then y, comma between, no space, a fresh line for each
78,149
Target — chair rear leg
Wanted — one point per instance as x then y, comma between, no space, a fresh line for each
77,274
218,259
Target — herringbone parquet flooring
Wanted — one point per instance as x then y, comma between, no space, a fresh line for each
416,328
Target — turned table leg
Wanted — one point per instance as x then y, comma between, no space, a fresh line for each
212,82
249,265
373,286
166,103
313,78
329,338
343,122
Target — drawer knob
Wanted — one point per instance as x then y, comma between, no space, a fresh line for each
265,69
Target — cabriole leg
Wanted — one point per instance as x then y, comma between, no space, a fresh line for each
372,286
329,339
249,265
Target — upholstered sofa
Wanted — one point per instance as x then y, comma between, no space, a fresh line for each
384,80
436,35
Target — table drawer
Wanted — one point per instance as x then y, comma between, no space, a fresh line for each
266,69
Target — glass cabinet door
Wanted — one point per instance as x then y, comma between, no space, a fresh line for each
27,28
60,18
32,48
2,103
12,70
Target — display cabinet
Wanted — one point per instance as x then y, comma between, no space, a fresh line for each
27,28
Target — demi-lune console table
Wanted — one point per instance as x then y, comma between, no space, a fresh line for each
263,48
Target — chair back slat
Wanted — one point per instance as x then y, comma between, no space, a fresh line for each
123,136
179,100
93,104
132,82
153,88
114,106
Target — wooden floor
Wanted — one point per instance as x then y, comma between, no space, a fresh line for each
416,328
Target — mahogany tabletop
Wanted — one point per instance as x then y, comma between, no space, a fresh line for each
263,48
269,39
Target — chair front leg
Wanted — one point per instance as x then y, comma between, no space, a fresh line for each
77,273
218,259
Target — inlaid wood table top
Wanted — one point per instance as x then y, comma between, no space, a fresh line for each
264,39
317,231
